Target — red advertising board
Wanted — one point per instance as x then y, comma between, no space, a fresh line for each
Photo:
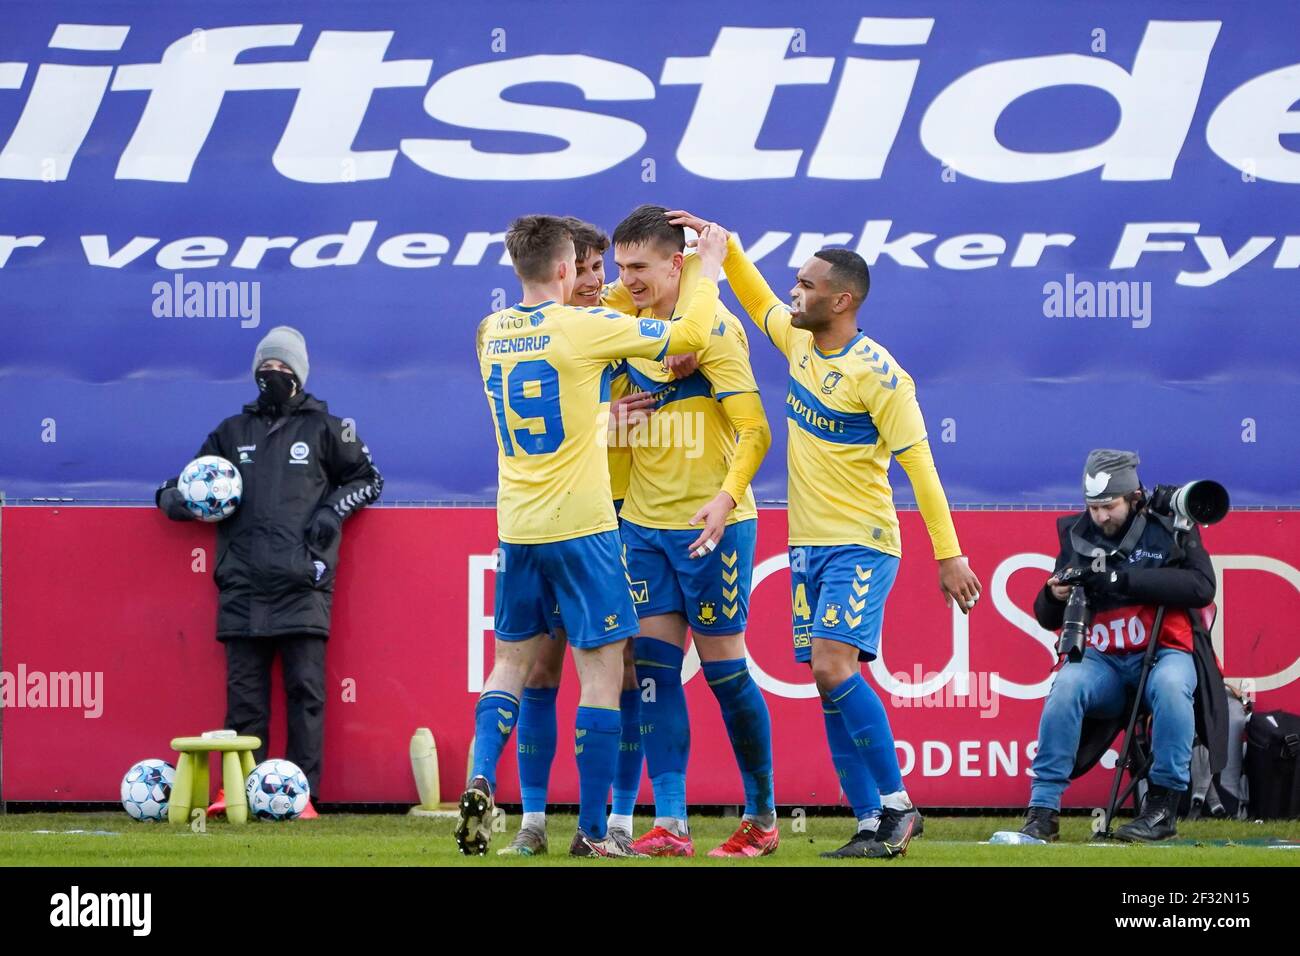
120,602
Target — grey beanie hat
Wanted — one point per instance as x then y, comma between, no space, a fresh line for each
286,344
1109,474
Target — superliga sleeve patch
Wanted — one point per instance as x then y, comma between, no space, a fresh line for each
653,328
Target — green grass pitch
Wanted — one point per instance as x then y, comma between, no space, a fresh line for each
399,840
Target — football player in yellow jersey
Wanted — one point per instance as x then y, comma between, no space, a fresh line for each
536,729
692,466
545,369
849,408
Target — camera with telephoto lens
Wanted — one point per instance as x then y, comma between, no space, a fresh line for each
1078,616
1197,502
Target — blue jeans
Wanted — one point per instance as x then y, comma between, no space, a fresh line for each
1098,686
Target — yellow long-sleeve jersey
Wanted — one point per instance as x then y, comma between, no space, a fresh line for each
708,432
846,412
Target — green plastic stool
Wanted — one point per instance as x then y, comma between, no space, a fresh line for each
190,788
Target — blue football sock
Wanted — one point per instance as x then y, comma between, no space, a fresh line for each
596,747
537,735
749,726
627,773
494,719
868,724
855,778
665,729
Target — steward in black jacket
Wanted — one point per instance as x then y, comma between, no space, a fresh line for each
304,471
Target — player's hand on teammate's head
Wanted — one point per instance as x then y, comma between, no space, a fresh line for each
682,366
710,244
712,249
957,580
714,516
680,217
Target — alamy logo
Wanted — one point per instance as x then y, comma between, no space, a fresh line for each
75,908
1085,299
75,690
209,300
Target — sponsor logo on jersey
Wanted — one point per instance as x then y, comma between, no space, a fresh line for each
812,416
829,424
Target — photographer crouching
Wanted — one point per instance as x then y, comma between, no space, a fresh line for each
1125,563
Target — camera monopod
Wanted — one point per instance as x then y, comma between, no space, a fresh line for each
1148,660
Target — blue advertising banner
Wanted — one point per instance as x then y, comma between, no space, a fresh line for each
1080,218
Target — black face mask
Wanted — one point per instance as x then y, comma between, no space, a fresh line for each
275,387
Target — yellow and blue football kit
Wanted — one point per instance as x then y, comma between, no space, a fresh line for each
619,458
847,413
620,467
707,433
546,370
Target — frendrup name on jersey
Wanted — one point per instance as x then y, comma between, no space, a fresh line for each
526,343
856,135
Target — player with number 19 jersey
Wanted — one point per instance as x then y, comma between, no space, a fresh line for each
546,372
